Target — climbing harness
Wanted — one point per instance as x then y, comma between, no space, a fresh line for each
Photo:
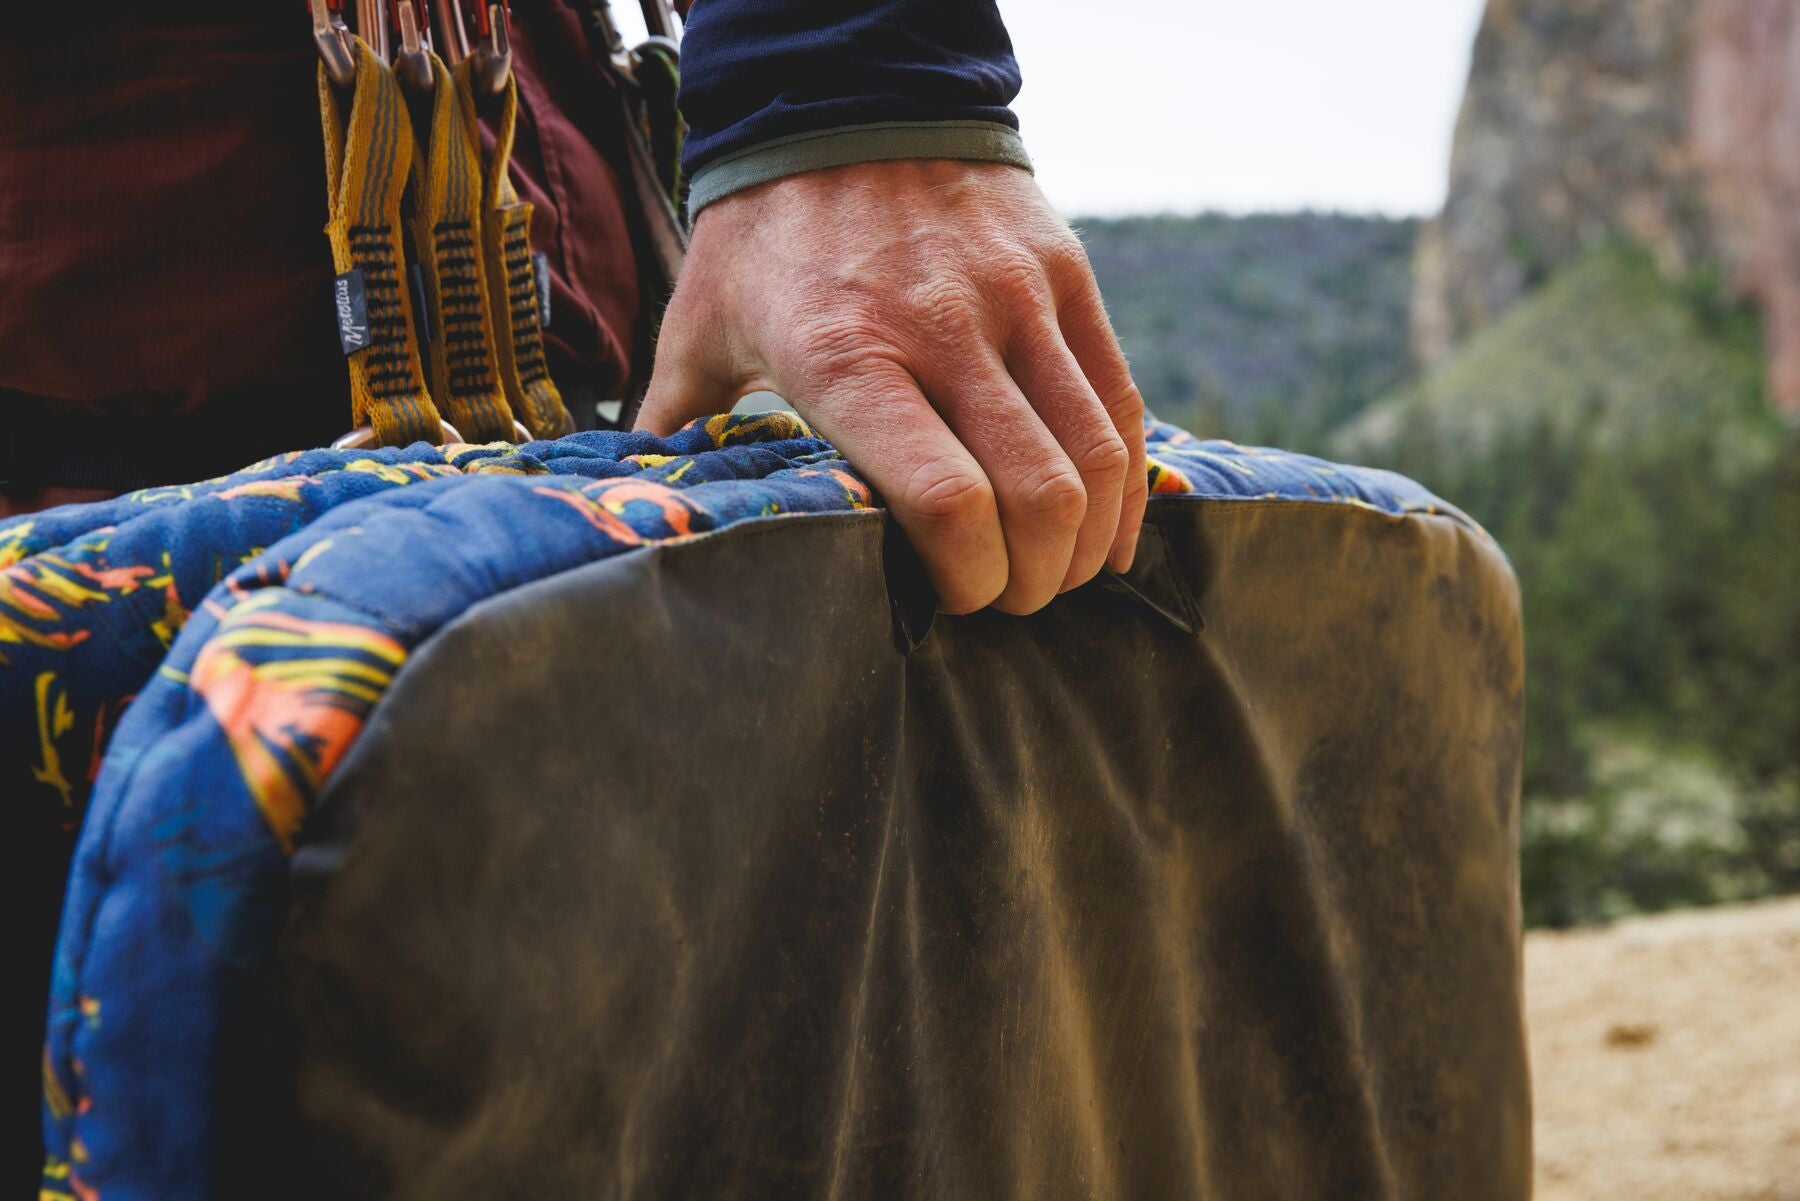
646,79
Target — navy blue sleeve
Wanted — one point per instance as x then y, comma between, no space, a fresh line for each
786,72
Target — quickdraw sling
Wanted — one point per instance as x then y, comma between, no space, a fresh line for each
367,157
516,296
441,302
439,299
446,234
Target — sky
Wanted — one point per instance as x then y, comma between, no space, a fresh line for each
1152,106
1144,106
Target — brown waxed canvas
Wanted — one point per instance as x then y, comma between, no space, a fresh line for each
723,871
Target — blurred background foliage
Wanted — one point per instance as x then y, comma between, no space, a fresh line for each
1613,430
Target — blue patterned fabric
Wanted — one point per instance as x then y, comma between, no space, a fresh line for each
258,620
92,596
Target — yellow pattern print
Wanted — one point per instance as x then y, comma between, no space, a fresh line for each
262,706
12,543
54,719
728,428
175,614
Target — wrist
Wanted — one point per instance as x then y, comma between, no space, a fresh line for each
765,162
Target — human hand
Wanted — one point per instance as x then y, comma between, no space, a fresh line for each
939,323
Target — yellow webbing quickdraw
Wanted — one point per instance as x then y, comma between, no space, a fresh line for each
366,167
512,275
446,229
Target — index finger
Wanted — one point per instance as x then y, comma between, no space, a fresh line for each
879,419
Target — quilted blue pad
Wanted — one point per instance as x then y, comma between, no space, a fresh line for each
257,620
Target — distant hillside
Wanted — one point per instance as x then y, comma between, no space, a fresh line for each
1609,348
1275,328
1611,431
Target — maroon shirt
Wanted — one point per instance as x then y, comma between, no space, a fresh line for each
165,281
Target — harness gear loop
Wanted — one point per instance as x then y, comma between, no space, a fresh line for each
656,186
366,166
513,300
656,66
446,233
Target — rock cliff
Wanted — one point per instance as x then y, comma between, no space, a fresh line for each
1744,112
1674,124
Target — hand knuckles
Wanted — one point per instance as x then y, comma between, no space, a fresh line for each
942,494
1055,496
841,343
1064,256
946,306
1105,461
1017,278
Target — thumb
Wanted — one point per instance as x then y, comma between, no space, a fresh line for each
691,378
676,397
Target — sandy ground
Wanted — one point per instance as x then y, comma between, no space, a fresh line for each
1666,1057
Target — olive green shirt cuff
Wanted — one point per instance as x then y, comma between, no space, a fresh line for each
978,141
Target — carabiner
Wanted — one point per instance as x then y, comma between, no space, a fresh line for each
333,41
490,47
413,62
363,436
492,51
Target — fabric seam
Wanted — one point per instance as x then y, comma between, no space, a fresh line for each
777,158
